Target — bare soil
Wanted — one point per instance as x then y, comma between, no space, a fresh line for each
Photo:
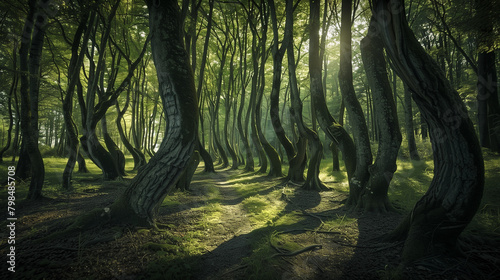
224,247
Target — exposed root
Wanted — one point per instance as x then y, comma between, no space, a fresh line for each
294,253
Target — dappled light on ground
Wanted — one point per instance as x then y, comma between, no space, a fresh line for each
233,225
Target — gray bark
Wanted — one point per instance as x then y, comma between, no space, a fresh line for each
454,195
180,105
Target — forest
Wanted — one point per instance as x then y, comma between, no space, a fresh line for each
250,139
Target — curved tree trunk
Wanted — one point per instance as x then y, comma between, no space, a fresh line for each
455,192
30,54
252,106
207,159
243,130
73,144
270,151
178,94
354,110
186,177
116,153
315,147
328,124
374,195
82,165
139,158
296,160
96,152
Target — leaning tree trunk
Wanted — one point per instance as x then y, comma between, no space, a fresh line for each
115,152
355,112
315,147
270,151
454,195
139,158
274,110
333,130
252,106
177,90
82,165
207,159
374,196
73,75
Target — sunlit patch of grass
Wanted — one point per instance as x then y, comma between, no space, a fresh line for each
170,201
410,182
212,214
262,210
248,188
176,257
288,219
336,180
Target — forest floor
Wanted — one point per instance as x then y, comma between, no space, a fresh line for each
229,225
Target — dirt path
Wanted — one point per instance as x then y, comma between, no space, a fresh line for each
230,237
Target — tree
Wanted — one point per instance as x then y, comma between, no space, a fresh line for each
96,111
487,88
410,134
454,195
333,130
12,93
243,129
355,112
30,53
77,55
316,148
207,159
374,196
180,105
278,53
270,151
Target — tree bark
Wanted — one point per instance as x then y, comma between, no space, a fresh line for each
252,109
374,196
270,151
354,110
315,147
178,95
487,100
274,110
12,92
333,130
73,144
243,130
454,195
139,158
228,101
207,159
30,54
410,134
